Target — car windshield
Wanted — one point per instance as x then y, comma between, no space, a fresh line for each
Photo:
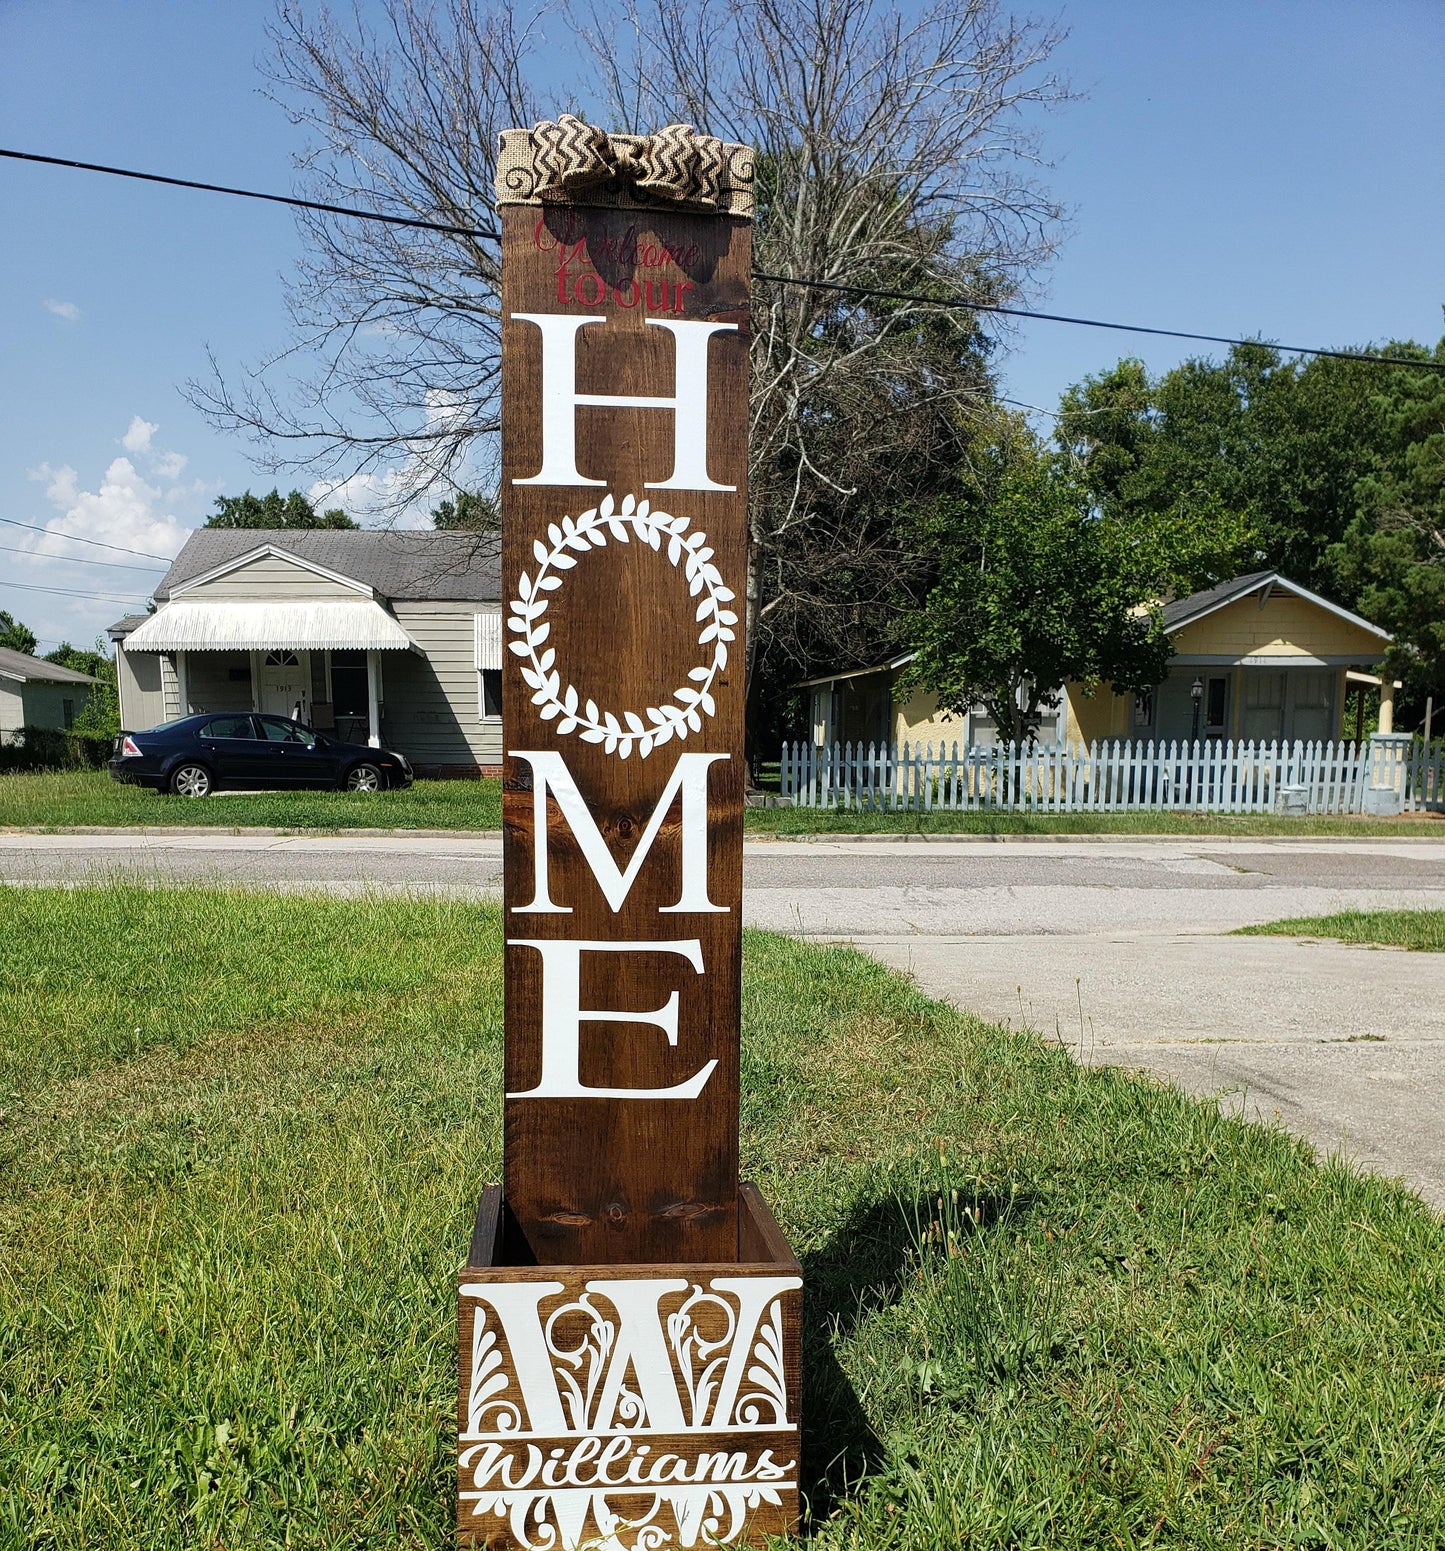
278,730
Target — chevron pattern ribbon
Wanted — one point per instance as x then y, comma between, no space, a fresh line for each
571,158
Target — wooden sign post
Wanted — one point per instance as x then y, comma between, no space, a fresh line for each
628,1320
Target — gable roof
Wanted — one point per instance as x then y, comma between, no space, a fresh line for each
19,665
402,565
271,552
1186,611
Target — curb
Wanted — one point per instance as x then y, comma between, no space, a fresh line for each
820,837
1091,838
167,831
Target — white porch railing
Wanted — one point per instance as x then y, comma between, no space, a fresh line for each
1218,777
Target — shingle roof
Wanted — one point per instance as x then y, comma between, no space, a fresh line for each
123,626
465,567
1184,609
17,665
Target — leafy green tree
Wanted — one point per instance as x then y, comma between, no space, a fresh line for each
16,636
78,661
1036,588
99,717
1392,558
469,512
274,511
1278,444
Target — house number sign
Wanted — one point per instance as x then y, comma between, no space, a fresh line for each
628,1317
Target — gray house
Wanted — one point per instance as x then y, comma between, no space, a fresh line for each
384,637
36,693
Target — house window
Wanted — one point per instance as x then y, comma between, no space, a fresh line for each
348,684
282,660
1144,709
67,712
1216,696
487,638
491,693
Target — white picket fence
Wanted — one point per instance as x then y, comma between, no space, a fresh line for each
1218,777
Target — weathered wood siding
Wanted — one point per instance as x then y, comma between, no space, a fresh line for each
1284,627
170,688
12,710
917,719
44,704
431,706
1091,717
142,696
209,686
271,580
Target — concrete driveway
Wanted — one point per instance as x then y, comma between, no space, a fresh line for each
1342,1045
1116,947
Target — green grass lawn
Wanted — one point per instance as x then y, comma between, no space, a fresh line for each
90,799
240,1146
1420,929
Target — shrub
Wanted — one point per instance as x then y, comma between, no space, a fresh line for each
50,748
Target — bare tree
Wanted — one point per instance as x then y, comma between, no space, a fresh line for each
895,153
393,369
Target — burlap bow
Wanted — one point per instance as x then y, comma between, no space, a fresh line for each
676,163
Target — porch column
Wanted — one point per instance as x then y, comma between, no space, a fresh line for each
183,689
373,707
1387,704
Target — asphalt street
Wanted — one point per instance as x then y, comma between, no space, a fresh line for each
1115,947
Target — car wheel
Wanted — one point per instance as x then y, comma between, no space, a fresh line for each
190,780
363,778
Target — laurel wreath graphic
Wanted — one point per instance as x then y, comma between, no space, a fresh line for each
655,725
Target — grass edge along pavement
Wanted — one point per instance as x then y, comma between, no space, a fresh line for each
83,800
1419,930
1047,1305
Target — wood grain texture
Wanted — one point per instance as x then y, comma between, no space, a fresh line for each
598,1400
613,1180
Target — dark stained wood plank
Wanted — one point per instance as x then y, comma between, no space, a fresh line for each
589,1394
599,1179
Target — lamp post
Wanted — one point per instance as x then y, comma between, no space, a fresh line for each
1196,694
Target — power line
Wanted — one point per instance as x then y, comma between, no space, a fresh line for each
110,565
247,193
71,592
75,538
843,287
1095,323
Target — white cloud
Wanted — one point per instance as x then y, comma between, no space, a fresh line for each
138,438
124,511
60,485
67,310
130,508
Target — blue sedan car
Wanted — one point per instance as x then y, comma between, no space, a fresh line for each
197,755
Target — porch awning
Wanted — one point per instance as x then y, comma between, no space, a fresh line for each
228,625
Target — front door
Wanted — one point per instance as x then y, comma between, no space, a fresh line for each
1262,717
285,684
1312,705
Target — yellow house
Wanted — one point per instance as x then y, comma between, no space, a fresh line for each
1259,658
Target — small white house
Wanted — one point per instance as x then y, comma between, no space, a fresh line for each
389,638
36,693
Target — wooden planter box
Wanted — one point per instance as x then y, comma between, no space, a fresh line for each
627,1405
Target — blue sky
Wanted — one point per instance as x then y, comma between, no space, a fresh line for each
1261,167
